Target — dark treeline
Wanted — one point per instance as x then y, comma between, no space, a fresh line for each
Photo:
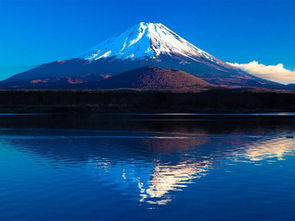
94,101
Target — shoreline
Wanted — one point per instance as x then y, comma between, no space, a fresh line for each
216,101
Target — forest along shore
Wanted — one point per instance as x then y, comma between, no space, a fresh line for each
55,101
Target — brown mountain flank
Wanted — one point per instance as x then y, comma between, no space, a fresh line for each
153,77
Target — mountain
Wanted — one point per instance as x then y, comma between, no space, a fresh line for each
145,44
153,77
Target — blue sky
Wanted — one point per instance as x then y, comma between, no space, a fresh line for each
39,31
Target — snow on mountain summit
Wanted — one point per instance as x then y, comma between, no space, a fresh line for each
146,40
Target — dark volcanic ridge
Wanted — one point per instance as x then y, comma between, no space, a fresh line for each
152,77
149,77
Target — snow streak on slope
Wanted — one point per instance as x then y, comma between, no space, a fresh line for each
146,40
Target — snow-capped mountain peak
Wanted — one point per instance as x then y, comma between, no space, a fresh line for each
146,40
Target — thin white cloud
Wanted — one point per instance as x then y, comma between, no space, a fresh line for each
276,73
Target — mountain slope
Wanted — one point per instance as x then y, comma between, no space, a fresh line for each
145,44
54,82
153,77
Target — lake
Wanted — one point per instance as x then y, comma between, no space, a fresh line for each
147,167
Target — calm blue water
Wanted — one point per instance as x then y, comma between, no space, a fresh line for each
158,168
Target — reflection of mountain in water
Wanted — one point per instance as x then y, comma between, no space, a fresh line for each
152,164
166,178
